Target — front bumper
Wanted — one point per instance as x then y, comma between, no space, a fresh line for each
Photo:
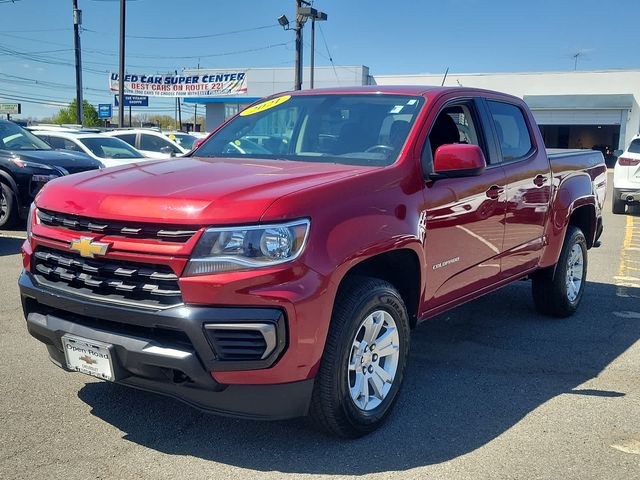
166,351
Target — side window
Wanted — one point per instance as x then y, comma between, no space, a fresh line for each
511,129
55,142
69,145
130,138
153,143
454,124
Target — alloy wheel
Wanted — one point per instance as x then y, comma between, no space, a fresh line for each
373,360
575,270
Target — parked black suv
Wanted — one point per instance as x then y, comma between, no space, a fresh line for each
26,164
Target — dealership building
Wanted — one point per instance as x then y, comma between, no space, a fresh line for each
576,109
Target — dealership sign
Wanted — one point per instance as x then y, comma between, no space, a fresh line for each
104,110
205,85
10,108
133,101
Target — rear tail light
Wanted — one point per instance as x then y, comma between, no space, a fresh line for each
628,162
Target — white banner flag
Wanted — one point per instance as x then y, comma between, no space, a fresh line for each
205,85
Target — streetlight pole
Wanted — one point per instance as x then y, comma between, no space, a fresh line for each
313,14
299,25
123,12
77,21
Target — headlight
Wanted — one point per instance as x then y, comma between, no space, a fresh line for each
26,164
240,248
32,215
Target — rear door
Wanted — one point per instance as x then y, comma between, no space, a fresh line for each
464,216
528,177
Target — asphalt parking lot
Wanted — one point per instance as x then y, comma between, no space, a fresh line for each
493,390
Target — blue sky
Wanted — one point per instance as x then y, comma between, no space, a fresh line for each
36,39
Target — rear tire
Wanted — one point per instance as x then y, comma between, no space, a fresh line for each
617,205
8,207
356,388
557,291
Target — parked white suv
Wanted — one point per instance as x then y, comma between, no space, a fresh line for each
626,177
108,150
151,143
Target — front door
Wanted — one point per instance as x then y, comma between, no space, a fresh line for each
464,216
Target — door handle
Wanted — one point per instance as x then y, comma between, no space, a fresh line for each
539,180
494,191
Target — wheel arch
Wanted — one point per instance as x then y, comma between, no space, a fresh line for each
401,268
573,204
6,178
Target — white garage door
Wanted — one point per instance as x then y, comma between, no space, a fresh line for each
578,117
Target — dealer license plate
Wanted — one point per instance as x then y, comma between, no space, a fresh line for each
88,356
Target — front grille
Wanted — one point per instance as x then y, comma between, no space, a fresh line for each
76,169
147,285
168,233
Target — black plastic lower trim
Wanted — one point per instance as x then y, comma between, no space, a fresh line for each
165,352
184,320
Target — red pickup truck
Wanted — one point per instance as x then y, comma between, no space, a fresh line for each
278,269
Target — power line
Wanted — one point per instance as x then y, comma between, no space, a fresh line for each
190,37
326,46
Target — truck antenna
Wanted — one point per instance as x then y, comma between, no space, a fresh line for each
445,77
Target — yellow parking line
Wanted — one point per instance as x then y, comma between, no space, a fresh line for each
625,271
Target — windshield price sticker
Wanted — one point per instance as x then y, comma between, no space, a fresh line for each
274,102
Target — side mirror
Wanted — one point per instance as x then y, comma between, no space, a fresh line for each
617,153
458,160
167,150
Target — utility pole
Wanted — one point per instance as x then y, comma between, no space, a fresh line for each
299,24
195,108
77,21
178,111
123,12
313,52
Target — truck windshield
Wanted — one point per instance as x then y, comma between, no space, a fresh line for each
14,137
352,129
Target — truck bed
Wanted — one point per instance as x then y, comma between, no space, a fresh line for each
569,162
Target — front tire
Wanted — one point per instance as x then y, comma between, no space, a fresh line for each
617,205
557,291
364,359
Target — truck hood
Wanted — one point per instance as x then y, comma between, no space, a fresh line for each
187,190
70,161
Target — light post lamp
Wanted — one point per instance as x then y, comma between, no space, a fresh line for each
314,15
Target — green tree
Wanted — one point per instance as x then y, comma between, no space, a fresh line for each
69,114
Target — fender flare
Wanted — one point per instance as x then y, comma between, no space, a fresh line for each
573,193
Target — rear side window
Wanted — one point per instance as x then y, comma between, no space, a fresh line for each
155,144
511,128
635,146
130,138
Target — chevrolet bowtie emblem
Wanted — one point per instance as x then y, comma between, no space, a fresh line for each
88,360
88,248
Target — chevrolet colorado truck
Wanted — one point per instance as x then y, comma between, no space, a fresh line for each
277,270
